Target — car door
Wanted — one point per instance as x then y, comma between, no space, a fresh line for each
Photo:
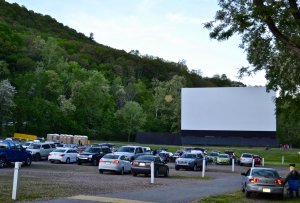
159,165
199,160
125,163
72,154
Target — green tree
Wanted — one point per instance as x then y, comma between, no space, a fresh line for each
132,118
270,35
7,93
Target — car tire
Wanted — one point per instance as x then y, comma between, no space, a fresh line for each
195,168
37,157
52,162
248,194
100,171
134,174
156,173
28,161
177,168
167,173
122,172
94,162
2,162
68,160
79,162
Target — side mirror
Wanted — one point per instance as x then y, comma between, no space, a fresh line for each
243,174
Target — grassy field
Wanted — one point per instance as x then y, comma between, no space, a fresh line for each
239,197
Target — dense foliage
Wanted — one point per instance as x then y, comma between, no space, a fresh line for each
270,34
65,82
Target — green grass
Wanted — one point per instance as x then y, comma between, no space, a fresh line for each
32,189
239,197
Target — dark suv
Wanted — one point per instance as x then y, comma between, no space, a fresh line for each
92,155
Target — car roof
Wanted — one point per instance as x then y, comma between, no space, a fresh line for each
263,168
131,146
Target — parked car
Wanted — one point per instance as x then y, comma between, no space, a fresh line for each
92,155
246,159
9,152
212,157
165,156
63,155
190,161
223,159
130,151
262,180
40,150
231,154
257,159
141,165
113,162
178,154
26,144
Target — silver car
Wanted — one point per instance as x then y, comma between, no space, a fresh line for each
114,162
262,180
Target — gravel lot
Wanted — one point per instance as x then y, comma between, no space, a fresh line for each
62,180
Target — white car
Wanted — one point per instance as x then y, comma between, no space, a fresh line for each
246,159
63,155
114,162
40,150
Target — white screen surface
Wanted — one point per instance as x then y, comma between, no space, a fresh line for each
228,109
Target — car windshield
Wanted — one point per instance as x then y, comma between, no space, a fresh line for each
93,150
34,146
247,156
223,156
189,156
59,150
26,144
265,173
126,149
214,154
111,156
145,158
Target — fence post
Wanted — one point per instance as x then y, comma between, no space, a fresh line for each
16,181
203,168
232,168
253,162
282,160
152,171
263,162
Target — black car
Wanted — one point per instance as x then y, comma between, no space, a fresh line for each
141,165
92,155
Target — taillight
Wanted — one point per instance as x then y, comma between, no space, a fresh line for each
61,155
101,161
278,181
116,161
254,180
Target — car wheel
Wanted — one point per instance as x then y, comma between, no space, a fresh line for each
176,168
37,157
68,160
28,161
248,194
122,171
79,162
2,162
94,162
156,173
195,167
134,174
100,171
52,162
167,173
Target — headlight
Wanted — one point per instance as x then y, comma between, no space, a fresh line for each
90,156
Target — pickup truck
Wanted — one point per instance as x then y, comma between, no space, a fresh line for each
11,152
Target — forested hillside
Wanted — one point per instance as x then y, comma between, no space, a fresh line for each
56,80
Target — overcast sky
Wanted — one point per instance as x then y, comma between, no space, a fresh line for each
169,29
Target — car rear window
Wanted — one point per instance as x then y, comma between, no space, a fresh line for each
34,146
247,155
224,156
59,150
111,156
147,158
265,173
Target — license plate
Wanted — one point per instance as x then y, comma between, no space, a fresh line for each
266,190
107,162
142,164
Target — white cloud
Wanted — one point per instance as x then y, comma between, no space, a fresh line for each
181,18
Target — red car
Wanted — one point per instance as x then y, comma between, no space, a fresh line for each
257,159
